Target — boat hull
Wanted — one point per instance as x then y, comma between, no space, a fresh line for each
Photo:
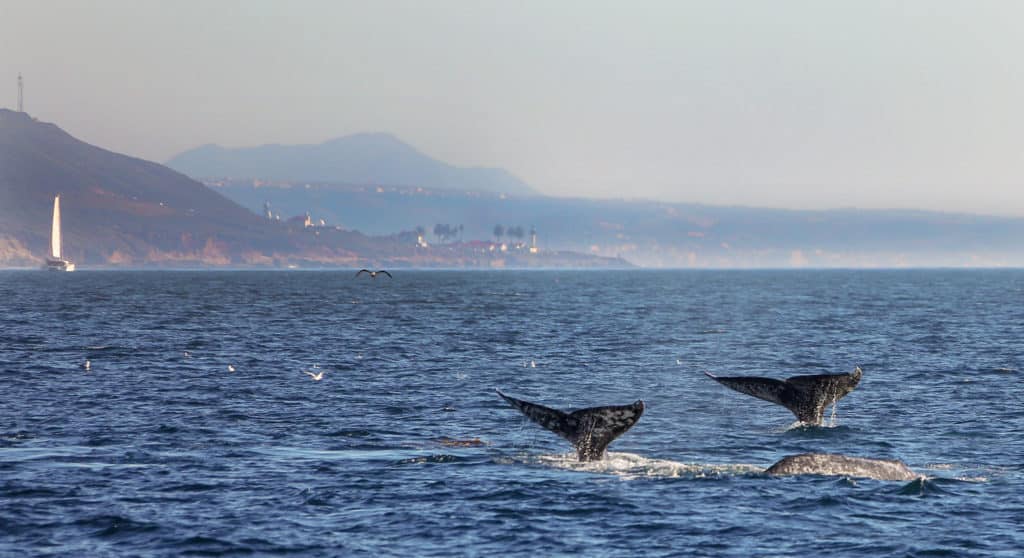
59,265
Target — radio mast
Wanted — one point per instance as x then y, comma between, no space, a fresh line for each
21,94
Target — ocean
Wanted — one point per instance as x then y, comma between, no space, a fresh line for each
196,430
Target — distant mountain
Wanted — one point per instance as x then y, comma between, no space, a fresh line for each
356,159
119,210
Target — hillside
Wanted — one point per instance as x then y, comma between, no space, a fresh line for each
119,210
355,159
122,211
116,209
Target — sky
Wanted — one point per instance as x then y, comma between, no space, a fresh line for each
793,104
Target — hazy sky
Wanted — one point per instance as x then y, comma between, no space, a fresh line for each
802,104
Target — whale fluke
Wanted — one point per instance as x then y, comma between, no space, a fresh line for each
806,396
833,464
589,430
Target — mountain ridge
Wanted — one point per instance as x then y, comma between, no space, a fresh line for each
362,158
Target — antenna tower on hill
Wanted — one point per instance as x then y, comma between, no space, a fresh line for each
21,94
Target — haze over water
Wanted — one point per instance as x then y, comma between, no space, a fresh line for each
160,450
788,104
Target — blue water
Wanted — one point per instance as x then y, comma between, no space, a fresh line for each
160,450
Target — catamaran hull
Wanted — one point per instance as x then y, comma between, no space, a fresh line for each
59,265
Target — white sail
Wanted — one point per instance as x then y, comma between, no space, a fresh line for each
55,233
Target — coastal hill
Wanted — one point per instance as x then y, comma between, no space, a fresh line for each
356,159
119,211
115,208
658,234
123,211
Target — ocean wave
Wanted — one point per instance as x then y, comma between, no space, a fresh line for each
630,466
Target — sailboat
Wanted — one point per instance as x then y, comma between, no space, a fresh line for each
56,261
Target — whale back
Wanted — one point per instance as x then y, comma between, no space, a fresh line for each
831,464
589,430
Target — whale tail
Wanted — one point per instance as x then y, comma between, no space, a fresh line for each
761,388
805,396
589,430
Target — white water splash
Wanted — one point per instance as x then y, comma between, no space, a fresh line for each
939,466
630,466
796,425
969,473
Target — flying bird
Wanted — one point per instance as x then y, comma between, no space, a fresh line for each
316,377
373,274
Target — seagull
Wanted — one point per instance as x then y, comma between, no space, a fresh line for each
87,365
187,354
316,377
373,274
231,368
533,364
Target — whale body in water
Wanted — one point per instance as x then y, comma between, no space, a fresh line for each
806,396
589,430
833,464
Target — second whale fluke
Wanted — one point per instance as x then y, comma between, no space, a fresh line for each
833,464
806,396
589,430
